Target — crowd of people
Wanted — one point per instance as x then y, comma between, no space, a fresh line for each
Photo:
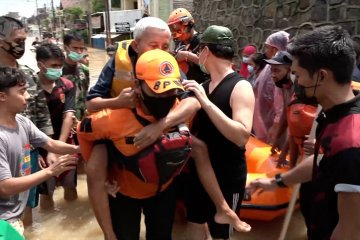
169,93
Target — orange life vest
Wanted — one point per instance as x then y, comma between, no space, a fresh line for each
300,118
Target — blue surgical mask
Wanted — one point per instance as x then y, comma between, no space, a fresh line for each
245,60
74,56
53,73
250,68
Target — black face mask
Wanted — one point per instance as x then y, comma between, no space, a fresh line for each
16,50
301,95
158,107
280,83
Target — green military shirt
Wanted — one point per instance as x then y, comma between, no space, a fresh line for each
79,75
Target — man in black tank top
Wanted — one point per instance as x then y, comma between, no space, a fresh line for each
224,123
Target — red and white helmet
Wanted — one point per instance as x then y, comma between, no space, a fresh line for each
178,20
180,15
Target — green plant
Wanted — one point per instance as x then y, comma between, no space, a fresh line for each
98,5
74,12
45,24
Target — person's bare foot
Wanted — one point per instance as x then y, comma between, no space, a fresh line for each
70,194
230,217
46,202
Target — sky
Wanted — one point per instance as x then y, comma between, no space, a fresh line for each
26,8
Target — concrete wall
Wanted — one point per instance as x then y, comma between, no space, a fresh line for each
188,4
252,21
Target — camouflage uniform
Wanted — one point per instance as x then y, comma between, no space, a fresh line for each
37,110
79,75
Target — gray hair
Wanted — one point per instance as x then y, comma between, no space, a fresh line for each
148,22
8,25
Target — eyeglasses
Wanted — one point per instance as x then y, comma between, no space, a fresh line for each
201,47
177,29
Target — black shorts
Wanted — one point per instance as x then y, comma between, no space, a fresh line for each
158,211
200,208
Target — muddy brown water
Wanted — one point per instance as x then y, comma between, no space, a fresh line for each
76,221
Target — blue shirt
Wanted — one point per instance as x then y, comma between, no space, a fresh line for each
102,88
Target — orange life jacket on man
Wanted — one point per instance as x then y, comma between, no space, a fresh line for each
117,125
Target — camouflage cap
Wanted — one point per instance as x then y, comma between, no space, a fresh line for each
218,35
7,25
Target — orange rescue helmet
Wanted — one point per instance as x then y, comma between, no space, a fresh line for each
180,22
180,15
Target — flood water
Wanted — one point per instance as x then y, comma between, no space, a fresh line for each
76,221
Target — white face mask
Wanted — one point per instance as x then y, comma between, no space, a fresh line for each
202,65
245,60
250,69
292,77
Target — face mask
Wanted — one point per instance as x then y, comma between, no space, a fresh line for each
74,56
292,77
250,69
280,84
16,50
202,65
111,53
53,73
158,107
245,60
301,95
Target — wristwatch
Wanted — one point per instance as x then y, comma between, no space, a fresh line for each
279,180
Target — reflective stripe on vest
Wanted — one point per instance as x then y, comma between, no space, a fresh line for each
124,75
